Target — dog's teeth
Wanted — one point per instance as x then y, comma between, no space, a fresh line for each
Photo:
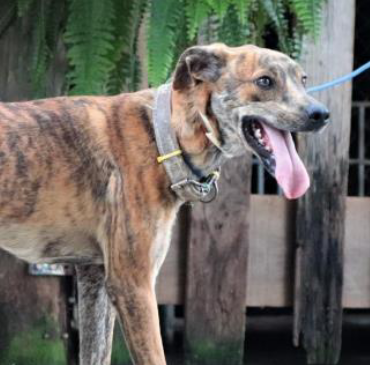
258,134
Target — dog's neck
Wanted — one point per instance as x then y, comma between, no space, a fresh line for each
198,151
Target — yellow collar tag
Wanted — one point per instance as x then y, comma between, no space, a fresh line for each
162,158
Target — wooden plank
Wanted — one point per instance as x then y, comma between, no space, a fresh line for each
356,291
270,261
270,269
321,212
217,271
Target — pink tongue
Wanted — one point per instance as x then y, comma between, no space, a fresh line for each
290,172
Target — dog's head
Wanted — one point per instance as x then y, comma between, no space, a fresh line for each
250,98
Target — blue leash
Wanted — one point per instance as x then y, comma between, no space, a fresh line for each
340,80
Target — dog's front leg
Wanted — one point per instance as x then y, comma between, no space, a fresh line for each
136,305
127,239
96,316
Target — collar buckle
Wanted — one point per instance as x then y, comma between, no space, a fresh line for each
205,191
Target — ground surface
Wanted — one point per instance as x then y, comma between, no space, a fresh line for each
268,342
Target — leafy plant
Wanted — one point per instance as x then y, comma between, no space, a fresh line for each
41,51
102,36
89,36
308,14
23,6
164,18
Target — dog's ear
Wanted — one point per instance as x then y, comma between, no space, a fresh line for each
197,64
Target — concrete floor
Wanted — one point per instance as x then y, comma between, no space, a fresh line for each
268,342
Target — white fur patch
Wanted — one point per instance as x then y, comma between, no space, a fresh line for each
161,242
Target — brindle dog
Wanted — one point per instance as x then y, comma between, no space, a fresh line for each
80,182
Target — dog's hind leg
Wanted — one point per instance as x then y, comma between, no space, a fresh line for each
96,316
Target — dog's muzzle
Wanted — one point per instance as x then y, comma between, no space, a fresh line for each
317,115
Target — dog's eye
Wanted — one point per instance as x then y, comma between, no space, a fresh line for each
265,82
304,80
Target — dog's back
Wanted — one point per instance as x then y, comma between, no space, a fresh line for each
56,157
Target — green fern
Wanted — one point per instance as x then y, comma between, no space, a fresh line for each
296,43
242,9
277,13
165,15
231,31
121,32
182,40
41,52
125,74
309,15
196,12
219,7
89,37
23,6
55,22
102,35
131,66
260,20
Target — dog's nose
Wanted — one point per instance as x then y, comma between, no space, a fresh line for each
318,113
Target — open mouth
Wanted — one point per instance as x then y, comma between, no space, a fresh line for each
258,140
277,151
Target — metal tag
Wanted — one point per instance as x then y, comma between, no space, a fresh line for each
48,270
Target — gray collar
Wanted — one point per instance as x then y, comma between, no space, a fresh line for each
184,182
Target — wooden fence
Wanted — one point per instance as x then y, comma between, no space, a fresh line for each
270,277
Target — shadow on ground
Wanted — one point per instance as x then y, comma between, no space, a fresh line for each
269,341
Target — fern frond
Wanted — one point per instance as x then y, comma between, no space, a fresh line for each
131,64
41,52
121,30
276,11
296,43
23,6
181,40
135,74
309,15
55,21
125,74
219,7
89,37
231,31
259,20
242,10
196,12
165,15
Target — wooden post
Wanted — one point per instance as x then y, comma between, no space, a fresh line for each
32,309
321,213
217,272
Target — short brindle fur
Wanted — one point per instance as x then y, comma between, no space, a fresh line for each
80,183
